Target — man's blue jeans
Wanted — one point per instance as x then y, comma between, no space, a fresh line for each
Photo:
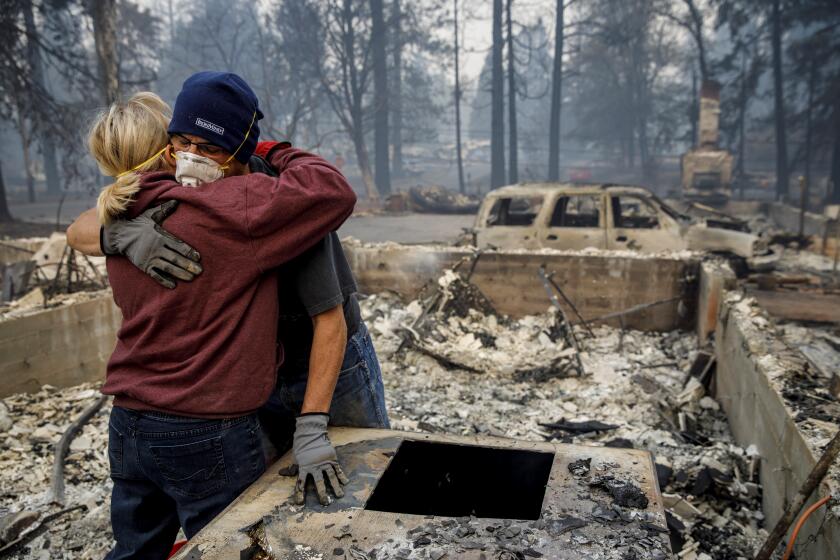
358,400
171,472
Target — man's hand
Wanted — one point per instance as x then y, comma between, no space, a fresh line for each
151,248
315,456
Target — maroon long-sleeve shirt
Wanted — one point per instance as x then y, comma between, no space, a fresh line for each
208,348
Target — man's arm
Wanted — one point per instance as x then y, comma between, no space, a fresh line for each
83,234
318,287
283,217
329,341
287,215
313,451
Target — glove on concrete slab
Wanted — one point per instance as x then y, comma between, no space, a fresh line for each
315,456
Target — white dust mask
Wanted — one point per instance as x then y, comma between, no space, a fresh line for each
192,170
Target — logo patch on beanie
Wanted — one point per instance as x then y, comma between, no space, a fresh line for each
210,126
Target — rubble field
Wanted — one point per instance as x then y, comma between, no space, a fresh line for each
31,425
633,394
459,371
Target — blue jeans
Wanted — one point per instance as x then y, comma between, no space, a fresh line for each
171,471
358,400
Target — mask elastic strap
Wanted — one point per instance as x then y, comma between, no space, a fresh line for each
148,161
247,133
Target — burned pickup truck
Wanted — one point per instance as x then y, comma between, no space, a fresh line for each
614,217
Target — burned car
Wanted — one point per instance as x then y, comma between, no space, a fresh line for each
614,217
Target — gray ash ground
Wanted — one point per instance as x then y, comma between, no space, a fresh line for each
30,425
816,349
633,381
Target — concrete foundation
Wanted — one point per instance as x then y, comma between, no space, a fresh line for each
262,520
61,347
598,284
68,345
751,367
71,344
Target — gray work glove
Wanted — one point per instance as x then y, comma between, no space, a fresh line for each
151,248
315,456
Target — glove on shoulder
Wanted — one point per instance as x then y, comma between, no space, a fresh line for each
151,248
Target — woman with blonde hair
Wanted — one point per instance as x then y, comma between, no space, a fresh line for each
192,366
127,139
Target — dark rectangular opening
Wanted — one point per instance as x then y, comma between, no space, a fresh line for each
427,478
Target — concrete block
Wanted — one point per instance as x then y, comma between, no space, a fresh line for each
63,346
16,250
758,416
50,254
565,527
598,284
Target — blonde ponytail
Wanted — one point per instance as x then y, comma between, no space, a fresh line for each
126,139
117,197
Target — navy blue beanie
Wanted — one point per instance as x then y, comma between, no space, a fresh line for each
219,107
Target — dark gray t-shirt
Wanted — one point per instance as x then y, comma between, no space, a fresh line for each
314,282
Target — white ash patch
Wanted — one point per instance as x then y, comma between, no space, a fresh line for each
38,421
588,252
634,380
802,260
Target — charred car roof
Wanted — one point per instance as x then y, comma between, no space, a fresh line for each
539,189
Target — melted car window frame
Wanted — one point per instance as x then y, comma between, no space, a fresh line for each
504,212
633,222
560,217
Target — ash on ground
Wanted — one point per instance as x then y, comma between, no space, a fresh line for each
31,425
458,372
635,381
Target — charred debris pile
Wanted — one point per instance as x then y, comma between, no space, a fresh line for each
50,276
34,522
453,365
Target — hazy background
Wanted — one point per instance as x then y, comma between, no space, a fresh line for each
371,85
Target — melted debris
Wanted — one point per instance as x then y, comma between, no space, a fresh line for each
580,467
624,493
